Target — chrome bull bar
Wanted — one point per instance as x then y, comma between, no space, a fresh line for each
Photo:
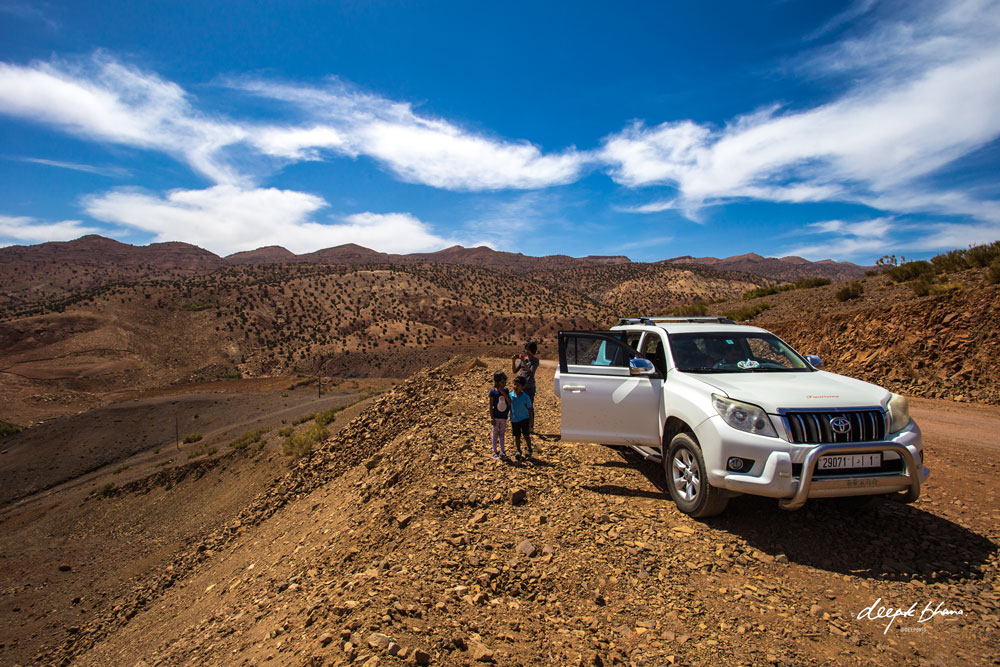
911,478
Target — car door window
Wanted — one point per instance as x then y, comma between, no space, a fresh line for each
591,352
652,349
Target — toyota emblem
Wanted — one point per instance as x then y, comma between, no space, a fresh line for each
840,424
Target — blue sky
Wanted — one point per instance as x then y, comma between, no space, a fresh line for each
843,130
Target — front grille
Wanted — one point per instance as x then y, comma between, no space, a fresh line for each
814,428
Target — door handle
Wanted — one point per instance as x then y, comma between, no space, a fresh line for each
575,387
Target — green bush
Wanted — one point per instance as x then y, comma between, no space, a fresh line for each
850,291
300,444
809,283
202,450
950,262
120,469
696,309
921,286
911,271
192,437
249,438
105,490
304,419
287,431
767,290
7,429
983,255
993,275
747,312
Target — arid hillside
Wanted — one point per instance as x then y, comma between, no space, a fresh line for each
943,344
643,289
777,268
399,541
266,320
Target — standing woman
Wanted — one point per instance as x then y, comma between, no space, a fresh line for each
525,366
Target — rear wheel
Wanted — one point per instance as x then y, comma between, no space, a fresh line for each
687,480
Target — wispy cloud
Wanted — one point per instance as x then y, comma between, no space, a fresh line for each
227,219
105,100
31,230
915,107
117,172
29,12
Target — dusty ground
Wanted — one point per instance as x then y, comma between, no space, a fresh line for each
400,537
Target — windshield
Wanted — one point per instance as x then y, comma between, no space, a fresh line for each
726,352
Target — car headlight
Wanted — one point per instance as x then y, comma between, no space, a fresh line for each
899,413
744,416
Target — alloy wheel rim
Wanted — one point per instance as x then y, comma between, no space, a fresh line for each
686,474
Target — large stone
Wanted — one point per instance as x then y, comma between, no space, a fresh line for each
526,548
480,653
379,641
518,496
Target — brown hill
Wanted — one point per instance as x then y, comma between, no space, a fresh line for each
651,288
398,541
34,274
785,269
254,320
271,254
942,345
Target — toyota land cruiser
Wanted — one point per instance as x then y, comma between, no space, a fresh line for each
731,409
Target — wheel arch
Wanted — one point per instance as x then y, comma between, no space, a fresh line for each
672,427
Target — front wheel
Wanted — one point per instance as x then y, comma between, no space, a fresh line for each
687,480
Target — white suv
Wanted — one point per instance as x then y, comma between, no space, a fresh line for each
733,409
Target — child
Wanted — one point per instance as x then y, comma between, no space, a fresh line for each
525,367
521,415
499,403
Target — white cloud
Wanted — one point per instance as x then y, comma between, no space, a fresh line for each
926,107
420,148
76,166
227,219
31,230
104,100
110,102
658,206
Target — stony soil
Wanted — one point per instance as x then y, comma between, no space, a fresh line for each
400,541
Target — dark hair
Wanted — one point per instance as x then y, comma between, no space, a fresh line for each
499,376
520,380
531,347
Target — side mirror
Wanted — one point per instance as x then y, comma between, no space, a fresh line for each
814,360
640,366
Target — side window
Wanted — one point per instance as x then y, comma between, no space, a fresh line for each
652,349
591,352
632,339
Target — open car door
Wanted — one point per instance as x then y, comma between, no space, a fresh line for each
602,401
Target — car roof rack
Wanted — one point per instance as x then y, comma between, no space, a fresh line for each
652,321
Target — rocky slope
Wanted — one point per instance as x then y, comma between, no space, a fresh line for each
400,542
943,345
785,269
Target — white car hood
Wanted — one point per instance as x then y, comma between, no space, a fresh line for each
817,390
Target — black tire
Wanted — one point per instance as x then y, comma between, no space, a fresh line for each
687,482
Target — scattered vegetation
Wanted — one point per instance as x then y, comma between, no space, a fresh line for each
801,283
696,309
8,429
993,275
192,437
303,419
104,490
912,271
747,312
249,438
201,450
852,290
287,431
301,443
120,469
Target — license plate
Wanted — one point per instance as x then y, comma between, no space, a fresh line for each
849,461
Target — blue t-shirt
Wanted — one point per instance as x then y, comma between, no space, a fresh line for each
495,397
519,406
